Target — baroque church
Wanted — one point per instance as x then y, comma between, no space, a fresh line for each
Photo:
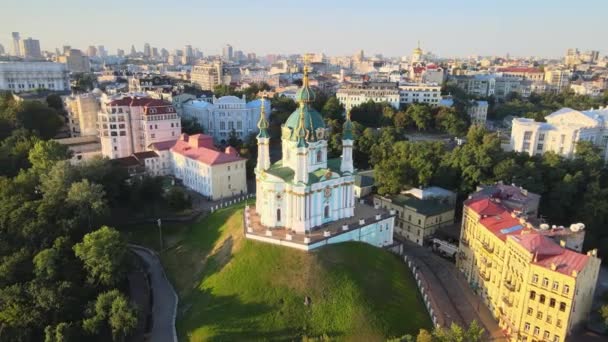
306,192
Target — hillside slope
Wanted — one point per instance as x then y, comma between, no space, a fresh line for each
235,289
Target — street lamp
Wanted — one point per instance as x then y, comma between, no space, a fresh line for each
160,233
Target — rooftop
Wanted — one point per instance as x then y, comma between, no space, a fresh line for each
428,207
548,254
286,173
200,147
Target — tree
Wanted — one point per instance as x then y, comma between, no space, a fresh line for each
39,118
402,120
103,254
604,313
54,101
88,198
123,318
424,336
178,199
421,115
333,109
45,154
474,333
234,140
448,120
191,126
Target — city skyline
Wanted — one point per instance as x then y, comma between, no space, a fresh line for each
386,27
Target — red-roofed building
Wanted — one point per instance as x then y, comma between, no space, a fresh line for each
129,124
527,73
537,289
201,166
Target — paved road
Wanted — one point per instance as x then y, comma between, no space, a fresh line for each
451,292
165,299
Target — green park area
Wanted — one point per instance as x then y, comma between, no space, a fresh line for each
232,289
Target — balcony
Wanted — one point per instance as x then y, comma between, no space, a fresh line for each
511,287
485,275
487,247
487,262
464,242
508,302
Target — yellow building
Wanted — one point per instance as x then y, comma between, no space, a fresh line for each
536,289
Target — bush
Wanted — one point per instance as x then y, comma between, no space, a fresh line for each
178,199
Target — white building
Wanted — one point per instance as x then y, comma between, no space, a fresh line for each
223,115
306,201
558,79
478,112
563,129
428,93
82,148
356,94
587,89
129,124
28,76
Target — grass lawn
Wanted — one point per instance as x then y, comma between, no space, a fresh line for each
234,289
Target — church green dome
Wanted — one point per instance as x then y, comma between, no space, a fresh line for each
305,94
312,120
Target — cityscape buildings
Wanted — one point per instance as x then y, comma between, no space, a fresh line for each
28,76
536,288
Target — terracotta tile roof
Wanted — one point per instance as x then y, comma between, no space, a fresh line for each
197,147
498,220
163,145
549,253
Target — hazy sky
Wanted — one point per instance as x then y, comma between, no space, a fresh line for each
335,27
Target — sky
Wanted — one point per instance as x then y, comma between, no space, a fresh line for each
543,28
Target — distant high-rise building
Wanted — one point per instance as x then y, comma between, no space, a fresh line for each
239,56
227,52
101,51
147,50
133,51
188,51
1,50
154,52
16,44
164,53
75,60
92,51
120,52
66,49
251,57
30,48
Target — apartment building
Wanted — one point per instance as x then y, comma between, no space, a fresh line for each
207,75
82,113
536,288
128,124
427,93
478,112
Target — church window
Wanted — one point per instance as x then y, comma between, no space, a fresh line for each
326,213
319,156
278,214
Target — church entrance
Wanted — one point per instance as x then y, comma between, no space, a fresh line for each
326,212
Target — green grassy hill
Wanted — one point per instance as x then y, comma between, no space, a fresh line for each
235,289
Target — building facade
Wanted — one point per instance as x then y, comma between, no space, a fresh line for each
82,114
207,75
478,112
561,132
30,48
537,289
75,60
28,76
427,93
129,124
420,212
226,113
356,94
